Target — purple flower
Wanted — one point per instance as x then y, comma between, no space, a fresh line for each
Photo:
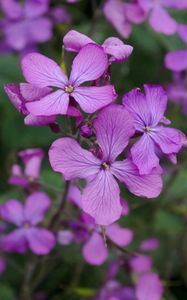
101,197
121,15
26,25
148,111
141,263
32,159
149,287
176,60
60,15
150,244
26,217
89,64
114,47
24,93
159,18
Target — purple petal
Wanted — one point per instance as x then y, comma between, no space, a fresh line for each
94,251
176,60
60,15
15,241
12,211
143,154
67,157
182,31
141,263
89,64
17,177
117,49
51,105
125,207
150,244
16,35
65,237
134,13
74,41
168,139
182,4
119,235
41,241
14,94
114,11
149,287
161,21
31,120
32,92
34,9
75,196
114,127
45,32
12,9
93,98
36,206
148,186
42,71
32,159
101,199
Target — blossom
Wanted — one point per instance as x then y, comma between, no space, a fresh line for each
114,47
176,60
150,244
26,217
148,111
101,196
25,25
89,64
121,15
149,287
159,18
141,263
32,159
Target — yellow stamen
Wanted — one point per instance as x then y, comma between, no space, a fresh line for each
69,89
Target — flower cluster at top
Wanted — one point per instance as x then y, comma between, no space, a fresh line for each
114,143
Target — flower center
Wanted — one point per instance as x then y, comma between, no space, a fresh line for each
69,89
148,129
105,165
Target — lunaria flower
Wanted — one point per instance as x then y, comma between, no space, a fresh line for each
26,217
148,287
148,112
89,64
176,60
114,47
31,159
101,196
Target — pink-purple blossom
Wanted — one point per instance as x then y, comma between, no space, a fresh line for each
148,287
26,217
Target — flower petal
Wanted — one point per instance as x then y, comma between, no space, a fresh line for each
14,94
75,196
182,31
114,127
65,237
150,244
42,71
148,186
32,92
89,64
31,120
117,49
143,154
32,159
41,241
74,41
12,211
67,157
34,9
11,9
176,60
161,21
53,104
36,206
94,251
93,98
15,241
45,32
141,263
101,199
119,235
16,35
149,287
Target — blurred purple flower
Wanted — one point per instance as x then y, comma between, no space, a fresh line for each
65,237
32,159
176,60
89,64
26,217
114,47
148,111
101,197
149,287
141,263
60,15
150,244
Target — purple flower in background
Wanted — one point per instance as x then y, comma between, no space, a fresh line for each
26,217
141,263
101,197
121,15
60,15
32,159
150,244
114,47
177,92
149,287
89,64
2,265
159,18
25,25
148,111
23,93
176,60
